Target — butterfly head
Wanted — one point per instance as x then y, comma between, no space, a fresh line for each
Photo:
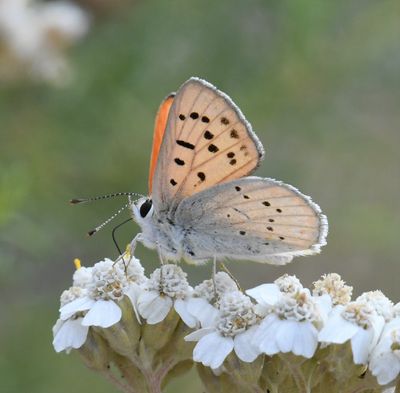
142,209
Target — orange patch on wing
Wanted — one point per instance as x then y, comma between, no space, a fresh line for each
159,129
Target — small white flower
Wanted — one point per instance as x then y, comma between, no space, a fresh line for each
358,322
233,329
291,326
204,303
70,333
267,295
72,294
212,293
82,277
288,284
332,284
107,287
381,304
133,269
385,358
167,287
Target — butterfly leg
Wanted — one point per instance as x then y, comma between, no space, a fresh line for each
227,271
162,264
130,249
136,239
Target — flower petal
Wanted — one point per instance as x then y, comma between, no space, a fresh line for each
153,307
181,307
324,304
264,329
286,335
360,343
385,367
203,311
243,347
306,340
134,291
269,327
378,323
104,313
77,305
198,334
70,335
337,330
57,326
265,294
212,350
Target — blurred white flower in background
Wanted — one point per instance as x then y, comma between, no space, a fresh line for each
34,37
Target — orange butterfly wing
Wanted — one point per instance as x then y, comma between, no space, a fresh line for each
207,141
159,129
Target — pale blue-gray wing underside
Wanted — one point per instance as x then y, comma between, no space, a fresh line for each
252,218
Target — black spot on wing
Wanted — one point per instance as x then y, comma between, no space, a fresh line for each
185,144
234,134
179,161
208,135
212,148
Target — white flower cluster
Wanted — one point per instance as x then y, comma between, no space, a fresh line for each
280,317
93,299
35,34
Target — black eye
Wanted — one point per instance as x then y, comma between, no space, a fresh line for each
145,208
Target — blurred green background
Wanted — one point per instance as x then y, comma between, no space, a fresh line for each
318,80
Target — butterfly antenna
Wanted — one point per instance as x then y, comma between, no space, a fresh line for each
95,230
114,238
77,201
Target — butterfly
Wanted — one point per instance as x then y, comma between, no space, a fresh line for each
203,204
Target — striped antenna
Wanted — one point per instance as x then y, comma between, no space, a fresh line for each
95,230
76,201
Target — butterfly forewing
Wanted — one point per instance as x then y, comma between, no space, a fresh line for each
207,142
252,218
159,129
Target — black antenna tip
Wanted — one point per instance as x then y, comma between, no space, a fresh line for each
92,232
76,201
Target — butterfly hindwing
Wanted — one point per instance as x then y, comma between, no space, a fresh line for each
207,141
251,218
